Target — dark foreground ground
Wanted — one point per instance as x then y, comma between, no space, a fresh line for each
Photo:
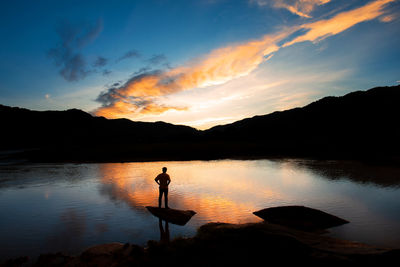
220,244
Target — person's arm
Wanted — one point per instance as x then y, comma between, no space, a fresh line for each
157,179
169,180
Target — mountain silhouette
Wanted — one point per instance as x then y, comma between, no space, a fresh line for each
362,124
76,135
359,123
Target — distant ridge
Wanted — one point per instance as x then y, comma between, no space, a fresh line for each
37,128
362,124
74,135
359,123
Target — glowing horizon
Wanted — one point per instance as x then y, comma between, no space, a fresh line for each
197,63
142,95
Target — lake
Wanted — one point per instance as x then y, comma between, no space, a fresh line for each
69,207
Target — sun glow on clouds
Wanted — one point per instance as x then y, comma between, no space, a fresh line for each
301,8
150,94
388,18
140,94
267,89
322,29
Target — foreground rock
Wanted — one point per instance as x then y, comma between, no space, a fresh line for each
221,244
300,217
179,217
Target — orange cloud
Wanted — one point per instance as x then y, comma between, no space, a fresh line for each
301,8
120,108
321,29
143,94
140,95
158,109
388,18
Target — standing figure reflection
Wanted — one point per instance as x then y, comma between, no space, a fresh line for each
164,232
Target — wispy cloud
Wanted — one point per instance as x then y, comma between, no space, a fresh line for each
322,29
100,62
130,54
388,18
143,94
301,8
67,54
157,59
106,72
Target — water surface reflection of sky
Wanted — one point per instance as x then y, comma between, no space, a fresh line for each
68,207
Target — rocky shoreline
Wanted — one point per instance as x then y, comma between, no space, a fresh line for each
222,244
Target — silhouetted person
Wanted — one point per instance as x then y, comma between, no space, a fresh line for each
163,181
164,234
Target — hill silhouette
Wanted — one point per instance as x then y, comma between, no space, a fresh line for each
74,135
362,124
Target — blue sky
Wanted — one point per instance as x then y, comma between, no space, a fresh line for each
198,63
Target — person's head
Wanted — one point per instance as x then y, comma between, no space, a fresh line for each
164,169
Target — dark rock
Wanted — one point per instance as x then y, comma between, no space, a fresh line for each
179,217
300,217
20,261
103,250
112,254
53,259
222,244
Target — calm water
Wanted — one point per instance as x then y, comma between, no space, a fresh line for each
68,207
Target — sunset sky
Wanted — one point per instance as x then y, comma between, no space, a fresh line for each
198,63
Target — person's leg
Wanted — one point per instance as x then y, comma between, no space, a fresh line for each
166,197
159,197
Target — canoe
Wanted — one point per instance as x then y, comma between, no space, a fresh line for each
179,217
300,217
